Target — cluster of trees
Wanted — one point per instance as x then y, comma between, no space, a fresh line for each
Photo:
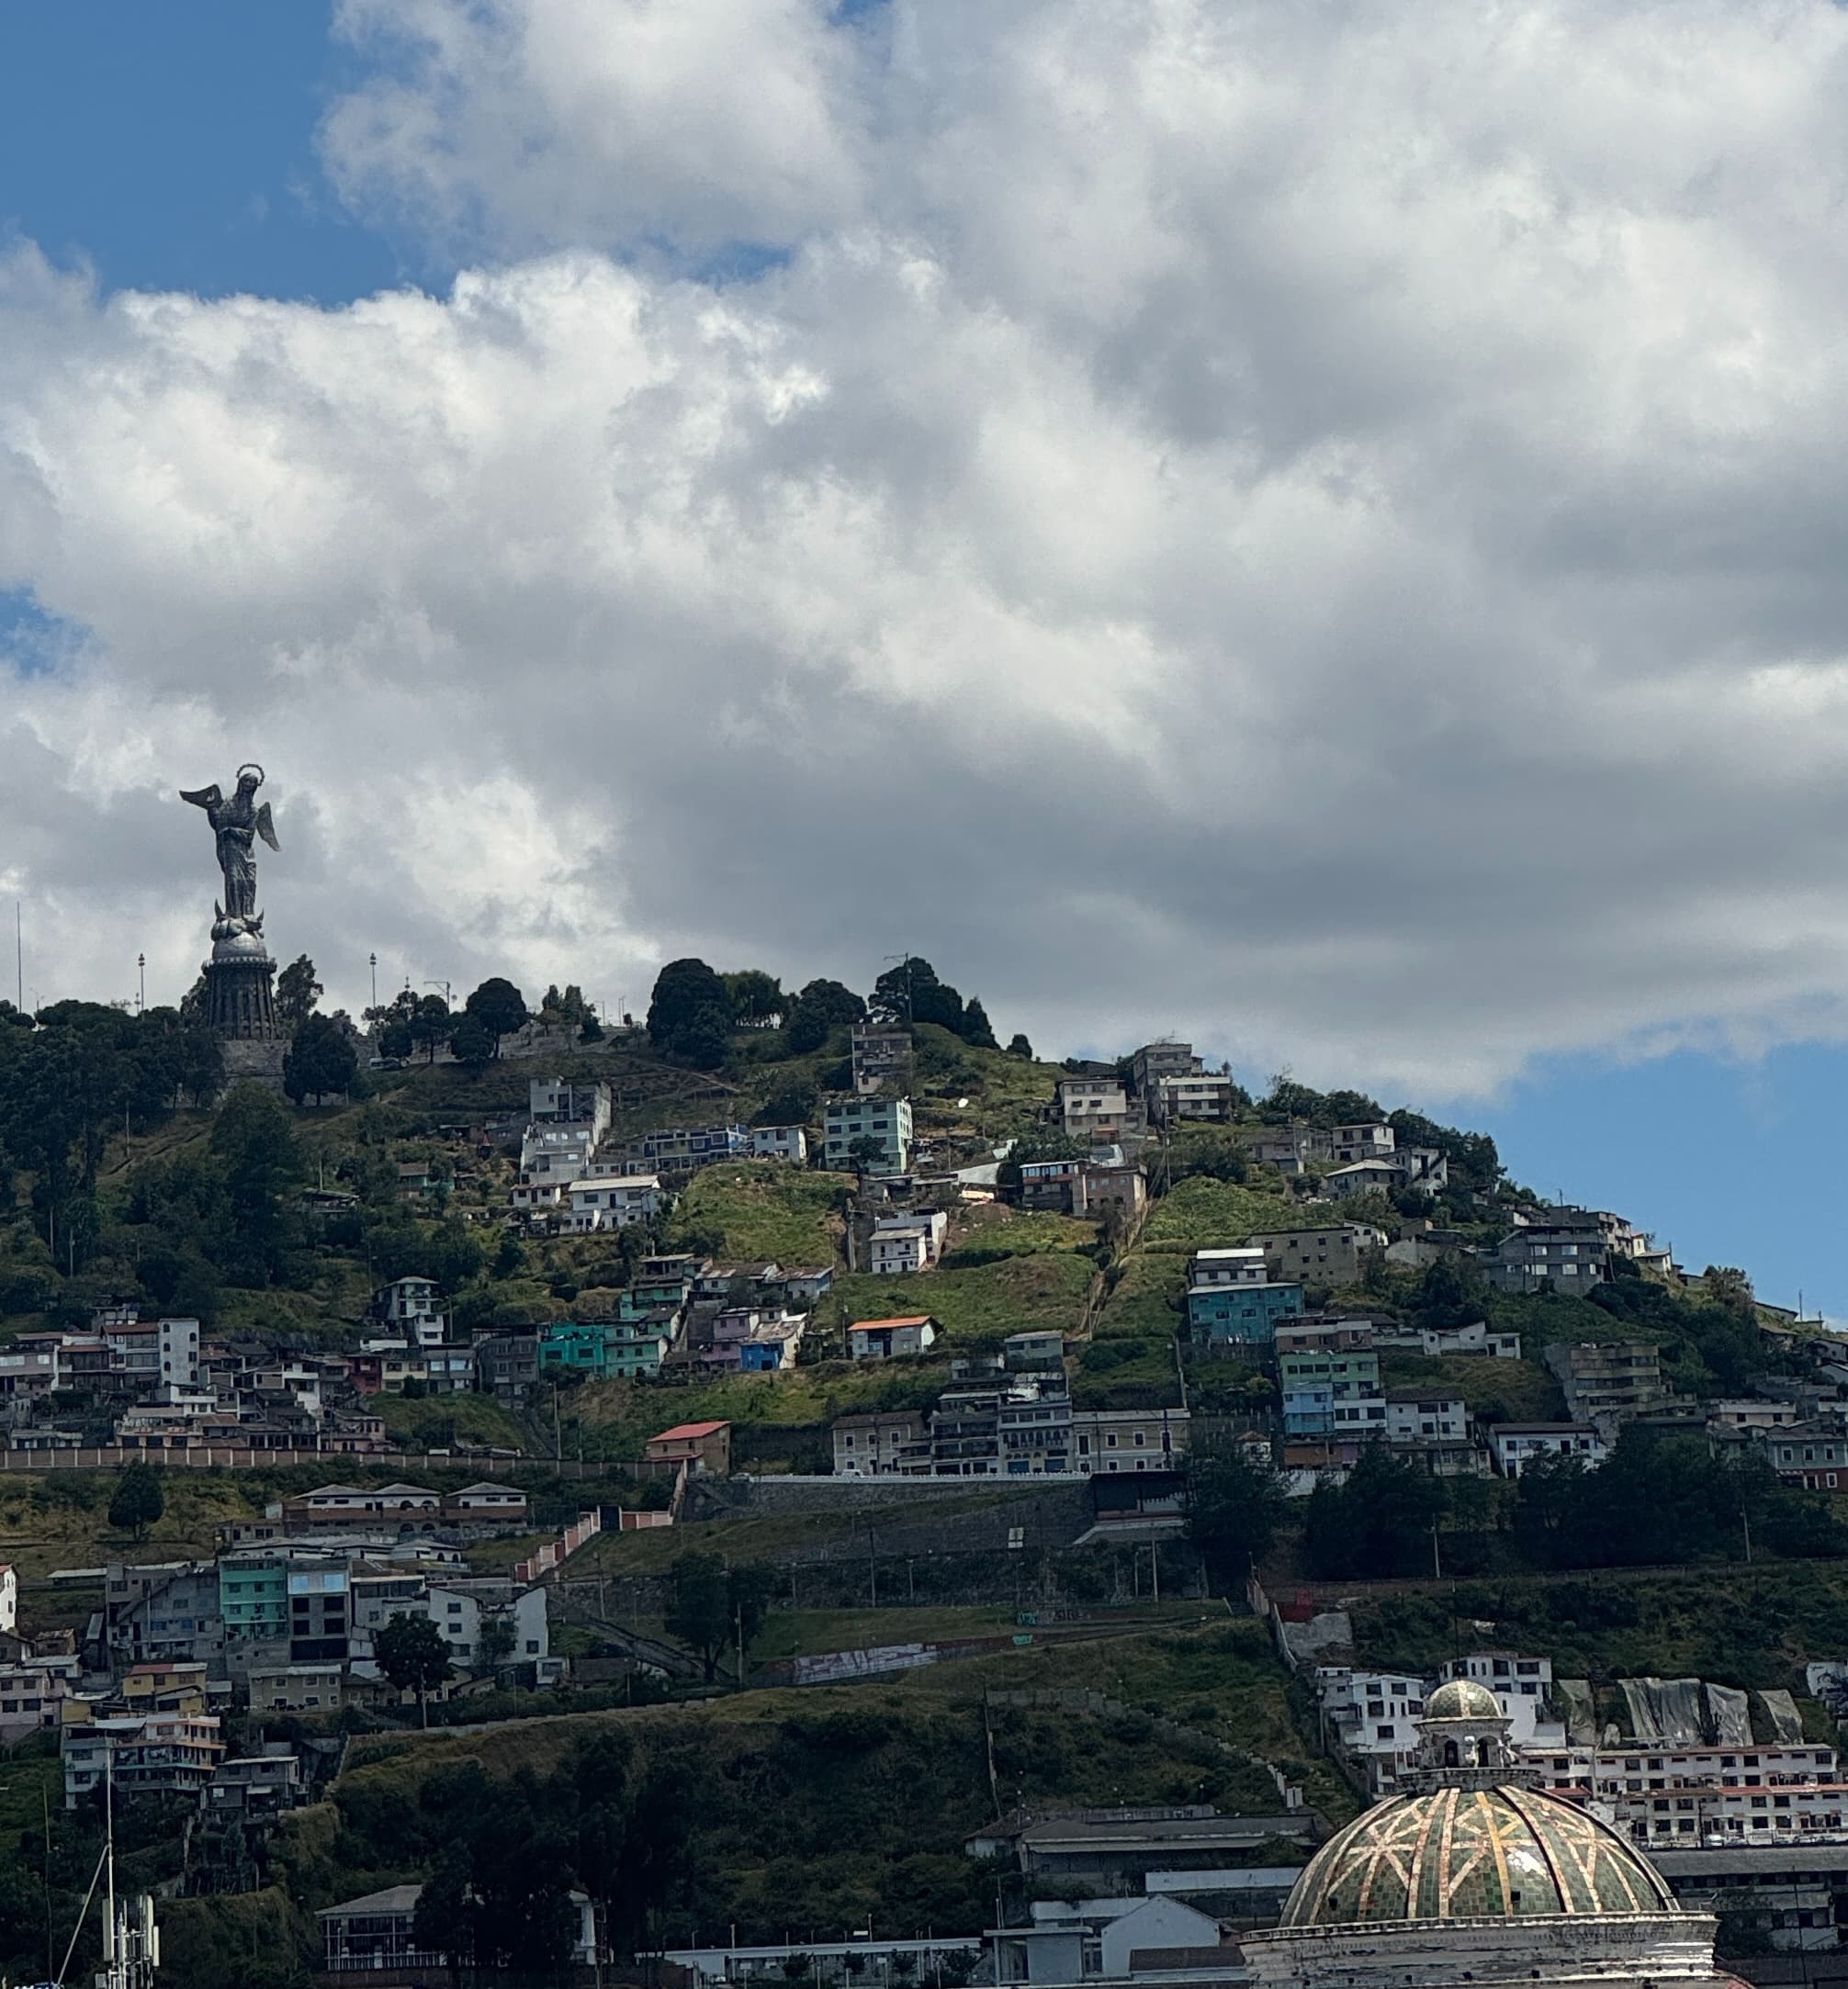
507,1854
1662,1500
910,992
83,1073
411,1022
1657,1499
694,1009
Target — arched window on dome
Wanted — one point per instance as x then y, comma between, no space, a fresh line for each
1450,1756
1485,1752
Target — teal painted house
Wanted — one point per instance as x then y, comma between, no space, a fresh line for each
1241,1315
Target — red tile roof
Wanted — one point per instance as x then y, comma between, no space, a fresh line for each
689,1429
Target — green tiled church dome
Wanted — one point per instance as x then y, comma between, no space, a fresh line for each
1462,1699
1473,1853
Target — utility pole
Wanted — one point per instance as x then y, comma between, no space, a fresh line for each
373,958
141,999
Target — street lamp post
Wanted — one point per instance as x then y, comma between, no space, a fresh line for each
375,980
141,999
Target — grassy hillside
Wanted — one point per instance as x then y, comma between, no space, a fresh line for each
1201,1213
766,1209
819,1807
978,1308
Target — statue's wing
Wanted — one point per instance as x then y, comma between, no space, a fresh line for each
265,828
202,797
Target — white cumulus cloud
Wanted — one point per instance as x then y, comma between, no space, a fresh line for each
1315,527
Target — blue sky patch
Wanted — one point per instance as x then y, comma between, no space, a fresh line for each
33,642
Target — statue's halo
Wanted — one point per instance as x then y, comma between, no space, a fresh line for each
249,766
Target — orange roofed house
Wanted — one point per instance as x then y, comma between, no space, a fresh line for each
885,1339
700,1446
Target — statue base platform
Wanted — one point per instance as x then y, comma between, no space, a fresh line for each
241,1011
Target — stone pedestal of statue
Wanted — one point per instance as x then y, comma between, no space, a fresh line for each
241,1010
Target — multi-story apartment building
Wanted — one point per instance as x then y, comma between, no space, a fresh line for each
1662,1795
1106,1440
885,1122
882,1055
1096,1109
142,1754
1195,1096
555,1101
1330,1253
1155,1062
881,1444
1609,1381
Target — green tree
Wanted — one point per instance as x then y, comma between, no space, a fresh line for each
911,992
755,997
255,1147
699,1607
1379,1523
430,1024
1234,1507
749,1591
1018,1046
500,1008
496,1646
137,1502
444,1921
865,1153
320,1063
690,1013
473,1045
976,1030
821,1007
296,991
411,1653
396,1040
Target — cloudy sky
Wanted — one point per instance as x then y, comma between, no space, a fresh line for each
1316,527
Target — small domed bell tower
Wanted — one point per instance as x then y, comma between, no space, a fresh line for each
1463,1742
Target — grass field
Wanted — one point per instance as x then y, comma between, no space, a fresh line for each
1525,1393
764,1210
1203,1214
438,1421
978,1308
618,1417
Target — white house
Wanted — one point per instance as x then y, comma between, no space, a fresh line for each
779,1142
901,1250
9,1597
1422,1417
612,1202
462,1611
1520,1684
1514,1445
1372,1715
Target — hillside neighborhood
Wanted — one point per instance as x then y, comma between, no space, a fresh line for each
649,1361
